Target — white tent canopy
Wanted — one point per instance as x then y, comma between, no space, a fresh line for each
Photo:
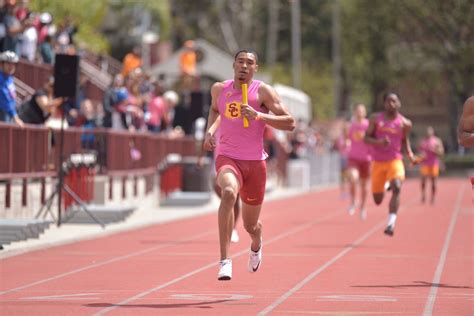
297,102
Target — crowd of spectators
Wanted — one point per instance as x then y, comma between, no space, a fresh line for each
137,101
34,36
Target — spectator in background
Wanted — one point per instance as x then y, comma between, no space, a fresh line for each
47,50
38,108
44,25
88,120
297,140
171,99
8,111
64,37
119,107
269,145
187,63
126,114
187,59
110,99
22,11
71,28
13,27
29,40
137,99
157,110
132,61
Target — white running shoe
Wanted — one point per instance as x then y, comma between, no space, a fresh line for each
235,236
363,214
255,259
351,209
225,270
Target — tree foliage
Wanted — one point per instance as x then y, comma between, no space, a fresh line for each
383,42
87,15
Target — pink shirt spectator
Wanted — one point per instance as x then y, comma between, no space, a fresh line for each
393,130
234,141
359,150
157,109
427,147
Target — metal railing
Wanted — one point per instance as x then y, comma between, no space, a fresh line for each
32,153
36,75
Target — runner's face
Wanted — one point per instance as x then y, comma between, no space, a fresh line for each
360,111
430,131
245,65
392,104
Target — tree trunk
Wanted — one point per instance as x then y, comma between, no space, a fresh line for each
273,28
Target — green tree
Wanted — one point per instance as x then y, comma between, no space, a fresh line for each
87,15
444,31
368,33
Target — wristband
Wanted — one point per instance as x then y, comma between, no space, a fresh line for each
258,117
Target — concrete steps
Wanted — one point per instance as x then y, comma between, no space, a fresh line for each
12,230
180,198
107,214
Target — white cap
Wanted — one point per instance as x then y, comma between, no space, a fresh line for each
172,97
9,57
46,18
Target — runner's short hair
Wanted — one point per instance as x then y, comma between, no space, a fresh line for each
250,51
387,94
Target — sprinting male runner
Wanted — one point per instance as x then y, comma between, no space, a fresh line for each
240,162
431,148
359,159
388,133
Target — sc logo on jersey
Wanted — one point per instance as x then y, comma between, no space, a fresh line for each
232,110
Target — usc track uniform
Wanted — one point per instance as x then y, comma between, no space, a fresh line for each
359,155
241,149
387,163
430,163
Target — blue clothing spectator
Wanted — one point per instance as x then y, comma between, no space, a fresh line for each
7,96
47,50
8,62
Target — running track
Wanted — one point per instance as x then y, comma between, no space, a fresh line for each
317,260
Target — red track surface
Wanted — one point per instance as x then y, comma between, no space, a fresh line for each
317,260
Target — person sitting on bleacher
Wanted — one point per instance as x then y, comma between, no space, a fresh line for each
38,108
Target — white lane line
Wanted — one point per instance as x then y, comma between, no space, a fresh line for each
78,296
211,297
210,265
355,298
99,264
442,257
353,313
315,273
